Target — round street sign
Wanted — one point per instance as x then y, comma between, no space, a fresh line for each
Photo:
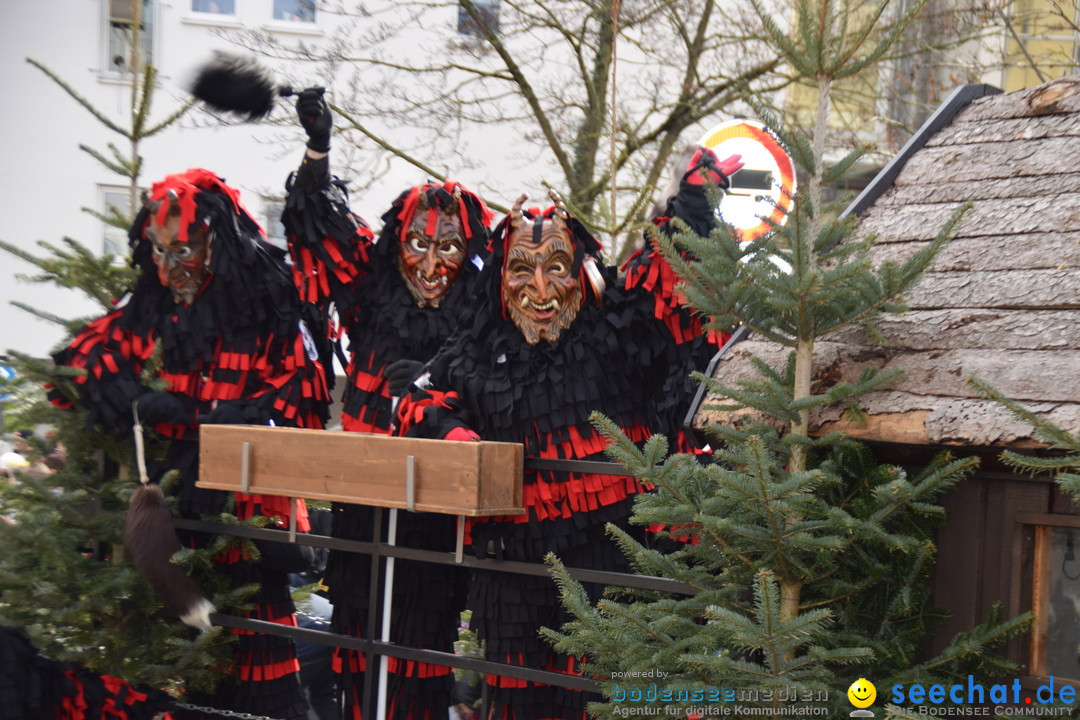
764,187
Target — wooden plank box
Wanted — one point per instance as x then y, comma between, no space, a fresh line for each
457,478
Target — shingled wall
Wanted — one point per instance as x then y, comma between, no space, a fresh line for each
1002,301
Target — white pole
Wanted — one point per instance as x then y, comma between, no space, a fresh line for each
388,585
388,589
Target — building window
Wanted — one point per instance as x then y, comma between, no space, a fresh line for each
217,7
295,10
121,30
1056,598
488,18
115,214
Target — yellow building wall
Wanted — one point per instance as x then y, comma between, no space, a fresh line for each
1044,37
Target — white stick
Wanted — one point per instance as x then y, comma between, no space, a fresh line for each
388,590
140,449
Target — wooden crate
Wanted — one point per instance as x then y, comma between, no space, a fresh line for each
457,478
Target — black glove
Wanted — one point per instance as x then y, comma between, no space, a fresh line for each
285,557
162,407
224,414
400,374
314,115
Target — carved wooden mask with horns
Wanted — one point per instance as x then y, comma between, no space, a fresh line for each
542,292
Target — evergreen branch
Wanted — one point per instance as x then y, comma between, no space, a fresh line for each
889,40
113,218
644,629
1036,465
787,49
973,645
77,268
1047,431
650,561
770,395
102,118
120,168
169,119
844,64
144,94
942,473
571,592
870,381
895,280
50,317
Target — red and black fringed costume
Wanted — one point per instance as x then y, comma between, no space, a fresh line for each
336,260
234,350
647,269
33,687
619,355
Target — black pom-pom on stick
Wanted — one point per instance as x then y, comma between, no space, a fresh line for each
238,85
151,542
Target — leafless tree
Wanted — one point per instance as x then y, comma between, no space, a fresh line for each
592,96
595,97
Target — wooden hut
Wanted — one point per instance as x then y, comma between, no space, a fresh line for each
1002,303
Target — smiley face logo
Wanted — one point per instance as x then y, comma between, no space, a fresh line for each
862,693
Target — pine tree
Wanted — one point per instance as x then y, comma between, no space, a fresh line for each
63,577
810,559
1063,459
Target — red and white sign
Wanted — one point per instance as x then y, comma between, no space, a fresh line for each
764,187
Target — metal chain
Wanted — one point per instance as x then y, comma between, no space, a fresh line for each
235,713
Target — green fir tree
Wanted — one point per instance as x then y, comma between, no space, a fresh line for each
63,575
1062,456
1060,459
809,560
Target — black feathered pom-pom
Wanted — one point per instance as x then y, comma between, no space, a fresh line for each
235,84
151,542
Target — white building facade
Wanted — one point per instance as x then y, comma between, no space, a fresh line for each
46,179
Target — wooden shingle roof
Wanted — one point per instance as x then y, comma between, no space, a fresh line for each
1002,301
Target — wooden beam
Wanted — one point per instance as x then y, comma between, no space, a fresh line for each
457,478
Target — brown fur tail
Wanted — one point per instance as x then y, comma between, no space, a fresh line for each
151,542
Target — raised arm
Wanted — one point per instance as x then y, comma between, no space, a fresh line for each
327,241
690,205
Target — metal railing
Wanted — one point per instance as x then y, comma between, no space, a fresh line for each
378,549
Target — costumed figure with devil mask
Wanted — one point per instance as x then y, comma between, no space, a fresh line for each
215,321
552,337
396,300
688,204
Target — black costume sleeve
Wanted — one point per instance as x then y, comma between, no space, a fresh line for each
112,358
649,271
328,243
434,415
33,686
